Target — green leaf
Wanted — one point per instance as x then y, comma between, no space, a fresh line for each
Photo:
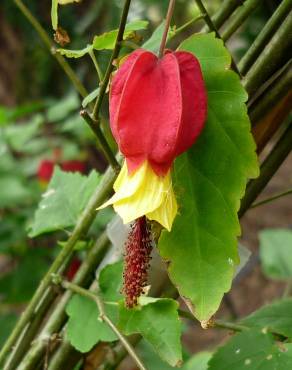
276,253
75,53
110,281
62,203
61,109
107,40
159,324
54,14
90,97
252,350
18,136
210,180
13,191
84,329
275,317
153,43
198,362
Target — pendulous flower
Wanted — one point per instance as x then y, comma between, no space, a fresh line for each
158,109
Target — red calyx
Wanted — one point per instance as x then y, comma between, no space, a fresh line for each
137,257
158,107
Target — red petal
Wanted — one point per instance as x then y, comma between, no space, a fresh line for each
194,100
156,110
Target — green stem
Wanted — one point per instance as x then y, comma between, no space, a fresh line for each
80,230
115,53
274,93
240,16
96,65
187,24
61,60
264,36
214,323
271,199
213,28
102,315
57,316
169,15
268,169
94,125
225,11
273,57
50,45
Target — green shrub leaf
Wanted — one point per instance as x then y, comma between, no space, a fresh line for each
158,322
252,350
276,317
210,180
276,253
65,198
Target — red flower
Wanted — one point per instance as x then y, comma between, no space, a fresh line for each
157,107
46,168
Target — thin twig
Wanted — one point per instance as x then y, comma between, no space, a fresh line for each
187,24
115,53
94,125
96,65
269,167
51,46
213,28
102,315
214,323
64,64
166,27
271,199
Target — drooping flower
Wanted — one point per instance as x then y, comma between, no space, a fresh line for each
157,110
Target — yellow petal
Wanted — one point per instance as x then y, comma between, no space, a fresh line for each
144,193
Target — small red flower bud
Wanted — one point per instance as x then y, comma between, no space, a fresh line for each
137,257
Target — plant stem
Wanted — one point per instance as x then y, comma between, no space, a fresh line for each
62,61
102,314
274,93
81,228
187,24
240,16
57,316
96,65
115,53
213,28
271,199
94,125
214,323
268,169
274,56
264,36
225,10
169,15
50,45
